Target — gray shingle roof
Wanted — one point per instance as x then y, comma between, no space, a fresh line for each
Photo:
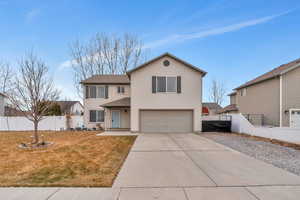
231,107
212,106
107,79
124,102
1,94
271,74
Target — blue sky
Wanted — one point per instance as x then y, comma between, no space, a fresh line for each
233,40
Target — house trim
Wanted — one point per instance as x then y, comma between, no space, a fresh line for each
280,101
171,56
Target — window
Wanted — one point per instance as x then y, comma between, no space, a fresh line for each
171,84
161,84
100,92
166,84
92,91
243,92
96,116
121,89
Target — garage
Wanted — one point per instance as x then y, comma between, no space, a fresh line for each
166,121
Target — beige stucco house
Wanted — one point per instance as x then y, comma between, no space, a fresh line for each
161,95
275,95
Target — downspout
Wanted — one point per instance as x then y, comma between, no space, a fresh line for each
280,101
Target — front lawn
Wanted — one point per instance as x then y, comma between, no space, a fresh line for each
75,159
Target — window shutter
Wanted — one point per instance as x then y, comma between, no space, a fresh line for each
153,84
86,92
178,84
106,92
119,89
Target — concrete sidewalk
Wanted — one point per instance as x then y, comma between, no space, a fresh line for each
180,167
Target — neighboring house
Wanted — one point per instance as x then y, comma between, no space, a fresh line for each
275,95
12,112
210,108
161,95
232,107
2,104
70,107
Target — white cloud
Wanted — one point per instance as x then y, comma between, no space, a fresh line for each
196,35
32,14
64,65
210,32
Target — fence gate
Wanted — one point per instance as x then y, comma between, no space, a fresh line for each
219,123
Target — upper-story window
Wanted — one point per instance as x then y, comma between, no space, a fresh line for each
166,84
92,91
99,91
121,89
244,92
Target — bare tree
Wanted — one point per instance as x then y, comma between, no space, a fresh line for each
6,74
217,91
33,91
105,54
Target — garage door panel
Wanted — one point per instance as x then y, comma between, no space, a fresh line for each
166,121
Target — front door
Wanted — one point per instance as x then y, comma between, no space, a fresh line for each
295,118
115,119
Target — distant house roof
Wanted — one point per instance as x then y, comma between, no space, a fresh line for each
124,102
211,106
65,106
107,79
1,94
232,93
231,107
12,112
282,69
172,56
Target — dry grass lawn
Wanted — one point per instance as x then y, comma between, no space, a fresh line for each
75,159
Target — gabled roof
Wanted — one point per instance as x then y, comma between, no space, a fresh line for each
171,56
66,105
231,107
232,93
107,79
1,94
282,69
212,106
124,102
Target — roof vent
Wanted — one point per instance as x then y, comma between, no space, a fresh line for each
166,63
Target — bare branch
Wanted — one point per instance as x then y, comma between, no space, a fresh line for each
217,91
6,75
31,89
105,54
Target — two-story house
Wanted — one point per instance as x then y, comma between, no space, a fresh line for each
161,95
275,95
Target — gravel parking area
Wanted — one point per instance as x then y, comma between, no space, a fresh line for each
283,157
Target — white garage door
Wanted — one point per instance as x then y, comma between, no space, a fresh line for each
166,121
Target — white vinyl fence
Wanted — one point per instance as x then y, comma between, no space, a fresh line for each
48,123
240,124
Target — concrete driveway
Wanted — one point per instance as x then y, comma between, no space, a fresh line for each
181,167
